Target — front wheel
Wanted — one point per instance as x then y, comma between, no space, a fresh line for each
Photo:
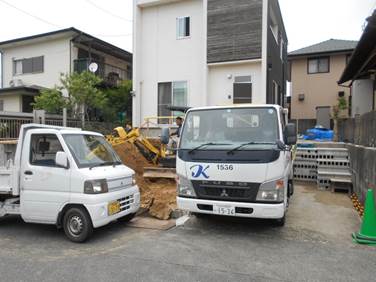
77,225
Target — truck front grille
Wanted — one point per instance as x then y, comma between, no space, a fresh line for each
125,203
226,191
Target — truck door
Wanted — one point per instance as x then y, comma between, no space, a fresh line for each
45,187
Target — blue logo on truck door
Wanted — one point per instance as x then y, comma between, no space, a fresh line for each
199,170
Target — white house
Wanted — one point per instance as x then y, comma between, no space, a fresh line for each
35,62
207,52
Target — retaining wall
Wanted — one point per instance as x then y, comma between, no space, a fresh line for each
363,169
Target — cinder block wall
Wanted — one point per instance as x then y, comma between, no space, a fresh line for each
363,167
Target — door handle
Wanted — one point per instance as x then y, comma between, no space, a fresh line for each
28,172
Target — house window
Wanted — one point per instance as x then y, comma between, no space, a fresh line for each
183,28
1,105
282,47
274,26
171,93
29,65
242,90
318,65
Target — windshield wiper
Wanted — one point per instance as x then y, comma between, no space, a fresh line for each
249,143
105,164
206,144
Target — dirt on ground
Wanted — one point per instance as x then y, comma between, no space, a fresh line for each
158,197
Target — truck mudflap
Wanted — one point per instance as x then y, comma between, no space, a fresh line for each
237,209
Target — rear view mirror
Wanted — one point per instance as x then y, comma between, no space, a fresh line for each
61,159
290,135
165,136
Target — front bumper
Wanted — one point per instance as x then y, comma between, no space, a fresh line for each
272,211
98,210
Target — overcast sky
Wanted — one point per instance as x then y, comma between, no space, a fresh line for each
307,21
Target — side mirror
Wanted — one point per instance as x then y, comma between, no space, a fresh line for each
290,135
165,136
61,160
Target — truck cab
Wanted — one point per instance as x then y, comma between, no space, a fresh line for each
71,178
236,161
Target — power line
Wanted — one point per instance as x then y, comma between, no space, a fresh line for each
114,35
30,15
107,11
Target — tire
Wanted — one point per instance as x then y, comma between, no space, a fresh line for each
126,218
280,222
77,225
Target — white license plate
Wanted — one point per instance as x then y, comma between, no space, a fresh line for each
224,210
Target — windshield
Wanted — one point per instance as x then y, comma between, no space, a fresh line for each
90,150
245,127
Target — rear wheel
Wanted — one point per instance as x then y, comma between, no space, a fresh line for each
127,218
77,225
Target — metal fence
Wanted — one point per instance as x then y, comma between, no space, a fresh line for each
10,123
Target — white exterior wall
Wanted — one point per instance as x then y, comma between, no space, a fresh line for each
221,79
161,57
12,103
56,60
362,97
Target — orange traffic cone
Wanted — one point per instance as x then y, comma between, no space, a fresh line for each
367,233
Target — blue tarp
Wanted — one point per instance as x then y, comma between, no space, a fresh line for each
319,134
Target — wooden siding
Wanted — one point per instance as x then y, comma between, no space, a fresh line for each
234,30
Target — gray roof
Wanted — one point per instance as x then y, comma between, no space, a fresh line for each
328,46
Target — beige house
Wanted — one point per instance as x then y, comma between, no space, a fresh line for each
315,71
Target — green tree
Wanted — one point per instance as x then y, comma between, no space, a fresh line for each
83,94
51,101
119,100
336,111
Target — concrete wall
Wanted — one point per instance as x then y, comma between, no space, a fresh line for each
56,60
161,57
221,79
363,166
12,103
362,97
320,89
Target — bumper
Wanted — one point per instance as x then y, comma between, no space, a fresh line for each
273,211
98,210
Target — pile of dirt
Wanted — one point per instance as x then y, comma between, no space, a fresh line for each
157,196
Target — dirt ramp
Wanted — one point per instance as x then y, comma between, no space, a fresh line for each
157,196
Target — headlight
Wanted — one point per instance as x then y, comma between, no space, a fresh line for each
273,191
133,179
95,186
185,187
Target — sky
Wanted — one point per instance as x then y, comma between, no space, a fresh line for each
307,21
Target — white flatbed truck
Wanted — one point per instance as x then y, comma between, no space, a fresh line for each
67,177
236,161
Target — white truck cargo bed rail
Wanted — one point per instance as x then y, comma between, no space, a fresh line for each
6,176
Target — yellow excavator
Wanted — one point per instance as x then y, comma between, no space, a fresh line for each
158,156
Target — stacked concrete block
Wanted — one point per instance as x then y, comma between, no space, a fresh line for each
328,166
305,164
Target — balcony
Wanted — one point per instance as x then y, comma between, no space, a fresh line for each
110,74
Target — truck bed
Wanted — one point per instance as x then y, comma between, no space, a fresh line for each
6,180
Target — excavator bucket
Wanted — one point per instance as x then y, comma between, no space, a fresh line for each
159,172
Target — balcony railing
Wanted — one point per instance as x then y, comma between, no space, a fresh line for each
111,75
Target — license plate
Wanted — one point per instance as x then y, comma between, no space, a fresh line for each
224,210
113,208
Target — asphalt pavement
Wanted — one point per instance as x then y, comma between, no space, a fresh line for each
315,245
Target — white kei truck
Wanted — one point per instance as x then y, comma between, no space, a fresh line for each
236,161
67,177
